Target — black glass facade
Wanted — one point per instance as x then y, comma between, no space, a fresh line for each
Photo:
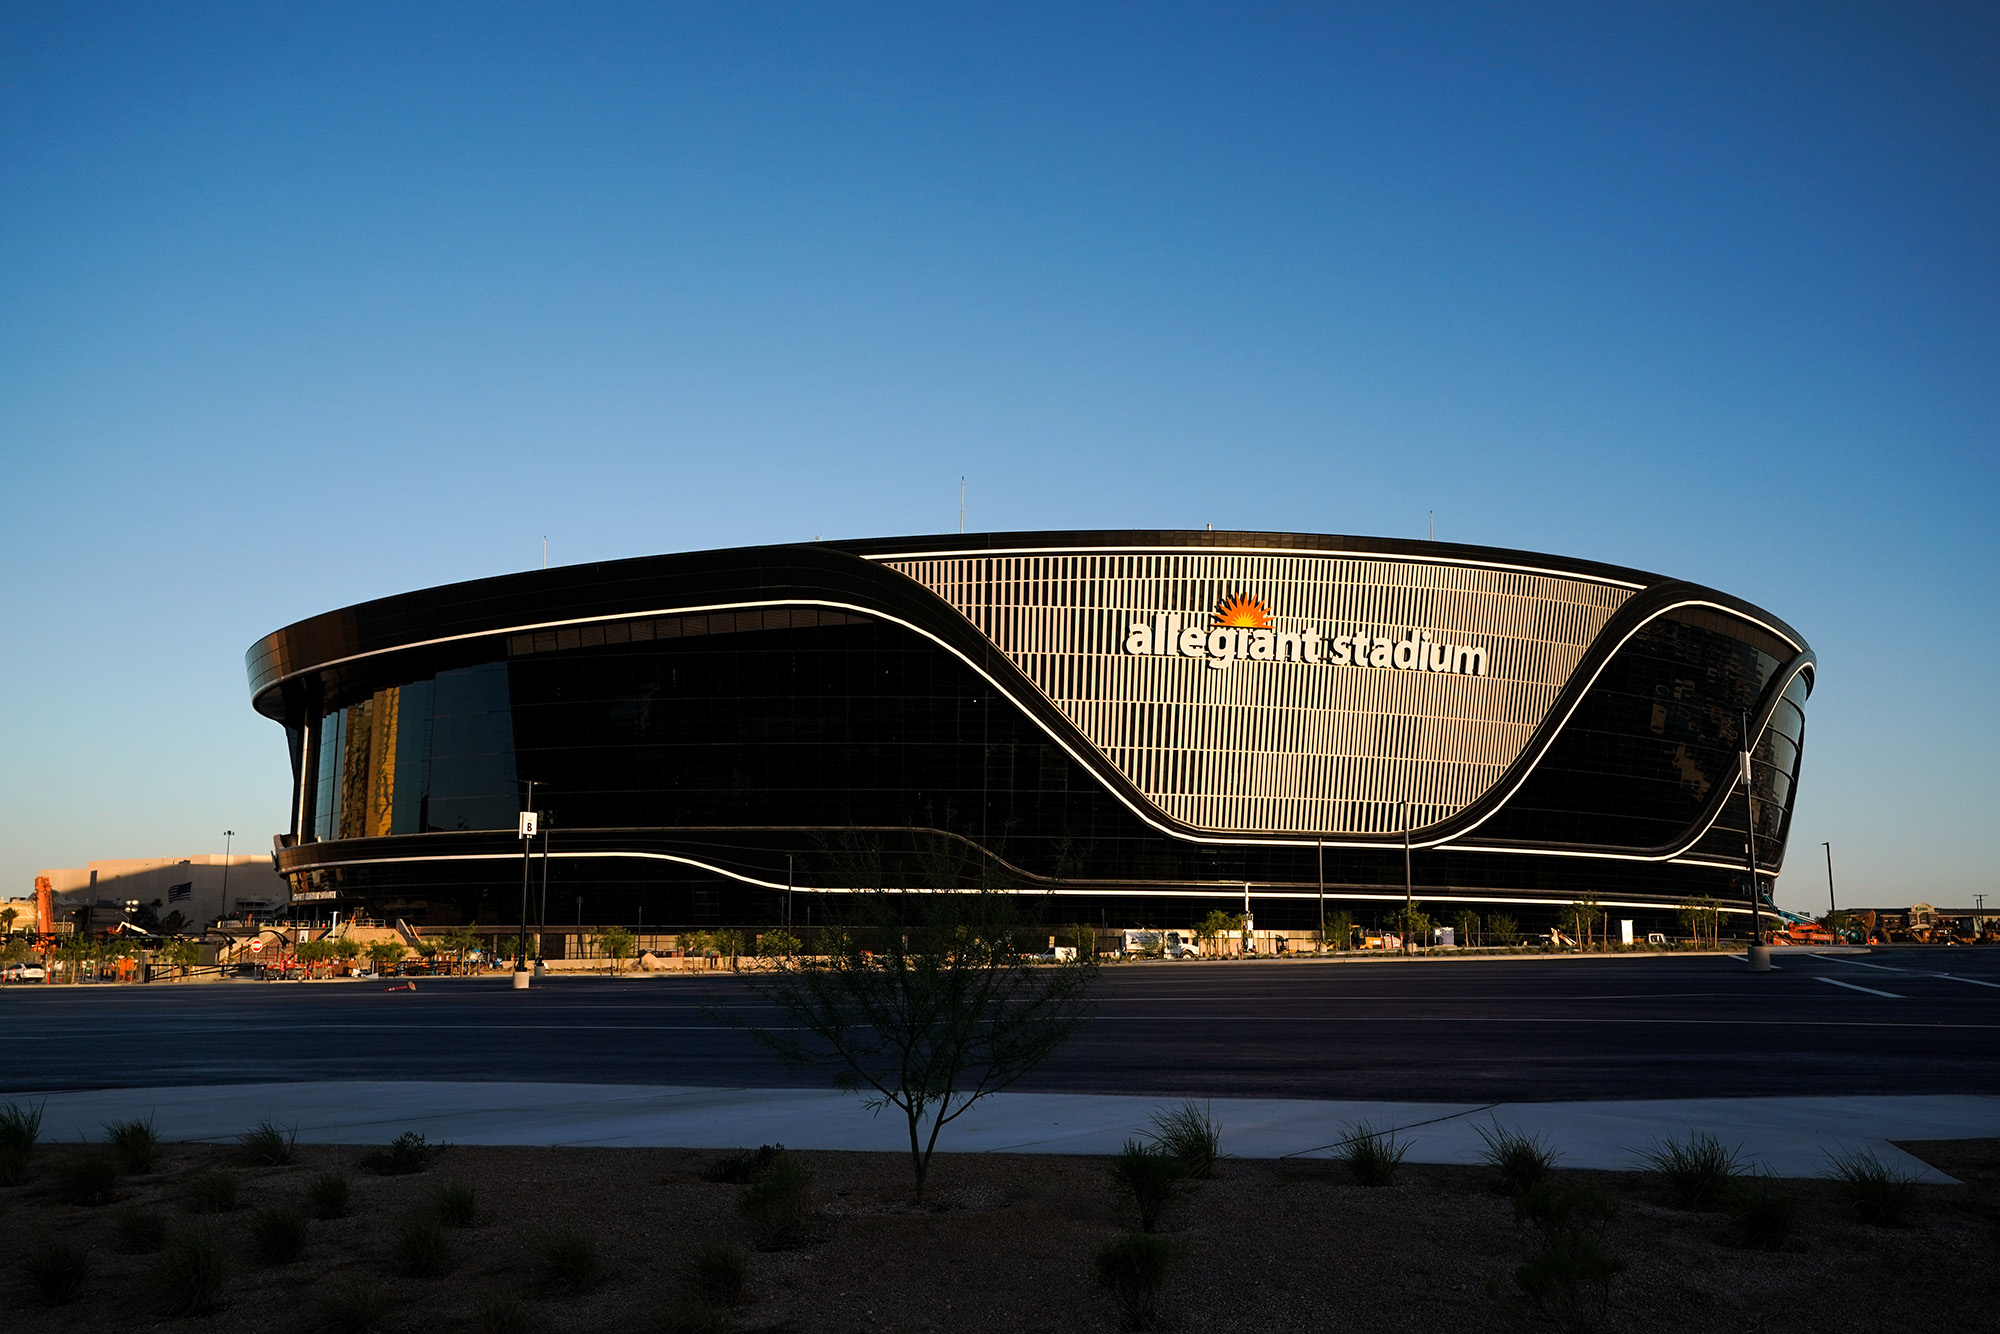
685,758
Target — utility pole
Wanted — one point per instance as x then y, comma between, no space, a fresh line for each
227,836
1409,882
542,914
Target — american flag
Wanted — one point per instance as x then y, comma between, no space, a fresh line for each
180,893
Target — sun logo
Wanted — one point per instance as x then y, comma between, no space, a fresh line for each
1239,610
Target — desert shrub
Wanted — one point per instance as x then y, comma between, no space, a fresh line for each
351,1308
777,1203
267,1144
56,1271
142,1231
1521,1160
1698,1172
1373,1155
716,1273
743,1166
278,1234
565,1261
455,1204
1152,1177
1559,1211
1761,1217
135,1143
89,1178
421,1247
1879,1194
20,1127
1569,1281
406,1154
1191,1135
189,1274
691,1317
1135,1268
501,1313
212,1193
331,1195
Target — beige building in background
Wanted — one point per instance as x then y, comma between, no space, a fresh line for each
193,886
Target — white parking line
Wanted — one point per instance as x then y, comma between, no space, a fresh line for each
1836,982
1858,964
1910,972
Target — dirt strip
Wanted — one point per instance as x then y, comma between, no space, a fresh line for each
1005,1242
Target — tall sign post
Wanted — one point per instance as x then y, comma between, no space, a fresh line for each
1759,953
528,827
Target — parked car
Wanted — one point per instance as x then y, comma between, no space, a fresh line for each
24,972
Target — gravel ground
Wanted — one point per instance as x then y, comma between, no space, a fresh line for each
1006,1243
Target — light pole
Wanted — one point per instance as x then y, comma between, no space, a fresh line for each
528,823
1319,847
788,861
1830,909
1409,882
542,915
1758,953
227,836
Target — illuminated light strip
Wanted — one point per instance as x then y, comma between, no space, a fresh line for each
971,553
1226,889
870,613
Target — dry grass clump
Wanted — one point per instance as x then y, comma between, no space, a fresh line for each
189,1274
1522,1161
135,1143
1191,1135
1698,1171
1880,1195
20,1128
90,1178
267,1144
57,1271
1373,1156
331,1195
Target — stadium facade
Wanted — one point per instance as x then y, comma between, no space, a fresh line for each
1139,724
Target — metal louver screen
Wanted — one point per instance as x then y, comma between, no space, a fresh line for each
1285,747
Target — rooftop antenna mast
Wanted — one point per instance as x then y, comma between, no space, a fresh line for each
545,551
961,504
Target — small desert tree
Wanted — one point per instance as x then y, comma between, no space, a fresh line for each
1503,928
1215,926
616,942
347,950
1466,923
1340,929
386,954
924,1001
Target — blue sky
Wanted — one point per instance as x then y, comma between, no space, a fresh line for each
310,304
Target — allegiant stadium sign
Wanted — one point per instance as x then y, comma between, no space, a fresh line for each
1241,628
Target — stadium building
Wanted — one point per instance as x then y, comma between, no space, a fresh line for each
1143,725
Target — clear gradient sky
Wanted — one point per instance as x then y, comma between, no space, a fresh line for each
307,304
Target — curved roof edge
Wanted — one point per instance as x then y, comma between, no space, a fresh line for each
496,603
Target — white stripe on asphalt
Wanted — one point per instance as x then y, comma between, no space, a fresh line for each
1836,982
1949,977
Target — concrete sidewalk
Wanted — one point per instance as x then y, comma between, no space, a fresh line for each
1788,1137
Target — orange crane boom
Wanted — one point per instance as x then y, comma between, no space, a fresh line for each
45,906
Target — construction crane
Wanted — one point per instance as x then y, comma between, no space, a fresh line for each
45,924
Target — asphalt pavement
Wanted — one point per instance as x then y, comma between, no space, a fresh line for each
1891,1022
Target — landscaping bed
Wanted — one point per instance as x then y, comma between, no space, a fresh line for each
1005,1242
